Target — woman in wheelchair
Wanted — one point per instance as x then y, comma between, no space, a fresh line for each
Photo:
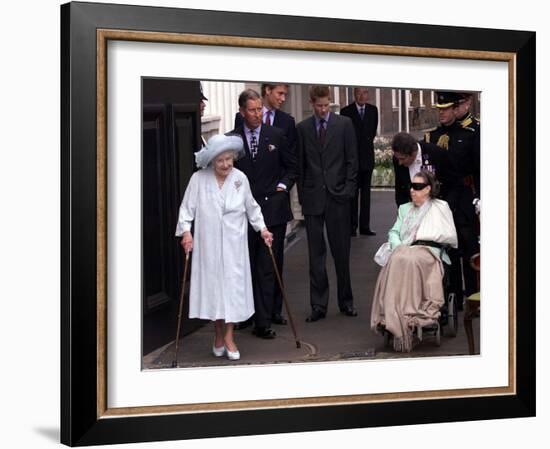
409,288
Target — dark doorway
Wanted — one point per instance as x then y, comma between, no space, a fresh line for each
170,136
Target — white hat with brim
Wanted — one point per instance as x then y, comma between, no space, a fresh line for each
217,145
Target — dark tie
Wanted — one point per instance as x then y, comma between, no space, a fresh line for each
253,145
268,118
362,111
322,131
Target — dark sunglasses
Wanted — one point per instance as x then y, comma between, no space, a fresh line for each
418,185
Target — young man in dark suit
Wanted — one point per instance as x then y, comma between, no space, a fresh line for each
365,121
270,167
273,98
327,164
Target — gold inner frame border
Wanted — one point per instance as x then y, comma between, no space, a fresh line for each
105,35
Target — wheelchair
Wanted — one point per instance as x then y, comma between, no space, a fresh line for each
447,324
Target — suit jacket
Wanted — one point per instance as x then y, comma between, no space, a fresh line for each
330,169
274,164
437,161
281,120
365,132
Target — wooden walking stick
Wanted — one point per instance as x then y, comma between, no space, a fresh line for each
175,361
298,344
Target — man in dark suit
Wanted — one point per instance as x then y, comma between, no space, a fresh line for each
273,97
365,121
327,164
411,156
270,166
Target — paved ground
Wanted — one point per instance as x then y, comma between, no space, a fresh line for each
336,337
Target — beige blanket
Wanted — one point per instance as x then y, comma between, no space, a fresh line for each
408,293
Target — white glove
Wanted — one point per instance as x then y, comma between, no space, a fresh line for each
477,205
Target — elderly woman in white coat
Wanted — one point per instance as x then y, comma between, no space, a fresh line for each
219,202
409,288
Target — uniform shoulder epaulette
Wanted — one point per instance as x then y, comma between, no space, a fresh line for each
469,128
469,123
466,122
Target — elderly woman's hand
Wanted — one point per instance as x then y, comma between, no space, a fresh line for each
267,236
187,242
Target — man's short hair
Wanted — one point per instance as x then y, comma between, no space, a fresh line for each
271,86
248,94
404,143
318,92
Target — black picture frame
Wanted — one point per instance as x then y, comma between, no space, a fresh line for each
83,417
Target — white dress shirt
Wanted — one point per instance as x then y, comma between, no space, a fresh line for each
416,166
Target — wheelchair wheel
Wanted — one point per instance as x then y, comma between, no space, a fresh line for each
438,336
452,321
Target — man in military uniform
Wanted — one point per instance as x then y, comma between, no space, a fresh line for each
463,144
463,114
466,119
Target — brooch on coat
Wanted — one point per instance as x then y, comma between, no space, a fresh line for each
271,147
238,184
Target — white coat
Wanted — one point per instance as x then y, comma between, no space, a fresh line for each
221,283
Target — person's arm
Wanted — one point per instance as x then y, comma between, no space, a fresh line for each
253,209
350,149
291,134
402,194
300,162
448,176
289,163
394,234
476,156
186,214
254,214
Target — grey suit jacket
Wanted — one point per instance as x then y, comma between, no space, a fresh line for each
330,169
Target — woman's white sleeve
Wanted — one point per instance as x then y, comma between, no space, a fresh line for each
188,207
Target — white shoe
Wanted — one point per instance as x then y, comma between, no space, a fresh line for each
232,355
218,352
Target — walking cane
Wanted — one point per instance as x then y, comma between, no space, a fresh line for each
175,361
298,345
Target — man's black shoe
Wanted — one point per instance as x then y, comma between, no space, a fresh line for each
367,232
244,324
349,311
316,315
278,319
264,332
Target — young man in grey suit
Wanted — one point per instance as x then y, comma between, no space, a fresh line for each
327,163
